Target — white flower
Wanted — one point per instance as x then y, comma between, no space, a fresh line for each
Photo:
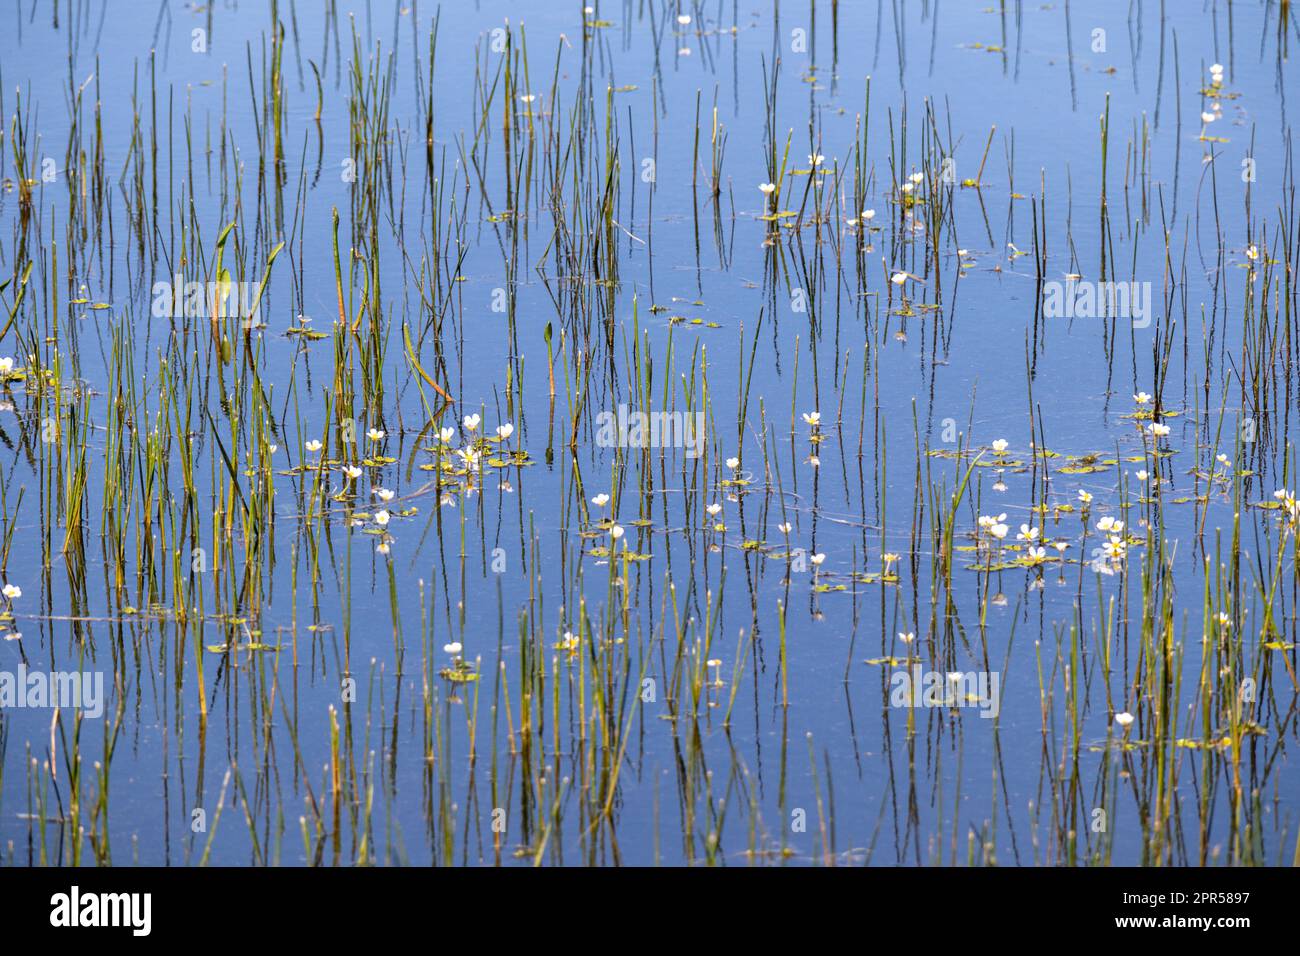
1141,398
999,531
1222,459
1037,554
767,188
1223,619
600,500
382,518
714,508
446,435
1207,117
1109,524
1000,445
375,434
733,463
868,214
453,648
1252,252
1124,719
382,547
814,461
813,418
917,177
383,494
1141,475
469,456
1158,430
683,18
907,637
505,431
1060,545
817,558
816,159
616,532
13,592
470,422
1216,67
1280,494
1085,497
783,527
352,471
313,445
898,278
1027,533
6,365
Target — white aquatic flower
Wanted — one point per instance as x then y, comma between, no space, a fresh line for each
1037,554
783,527
907,637
313,445
1216,67
446,435
733,463
1141,475
907,187
1158,430
1141,398
1280,494
616,532
999,531
382,547
375,434
814,461
469,456
1106,524
6,365
683,18
917,177
1027,533
382,518
384,494
714,509
868,214
816,159
13,592
767,188
1222,459
1252,252
898,278
1000,445
352,471
505,431
1223,619
1124,719
600,500
1085,496
471,422
453,648
1060,545
817,558
527,98
1207,118
813,418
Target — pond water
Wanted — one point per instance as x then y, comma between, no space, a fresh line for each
689,433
